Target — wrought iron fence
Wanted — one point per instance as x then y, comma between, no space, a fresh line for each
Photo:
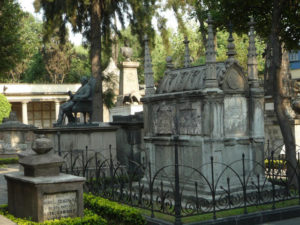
181,190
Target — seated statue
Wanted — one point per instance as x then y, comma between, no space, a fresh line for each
83,94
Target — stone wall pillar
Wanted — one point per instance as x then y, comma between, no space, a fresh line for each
57,105
24,112
129,78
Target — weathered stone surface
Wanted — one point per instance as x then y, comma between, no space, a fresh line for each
213,113
31,191
15,136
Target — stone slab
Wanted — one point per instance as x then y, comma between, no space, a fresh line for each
62,178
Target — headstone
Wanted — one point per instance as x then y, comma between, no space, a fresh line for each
15,137
42,192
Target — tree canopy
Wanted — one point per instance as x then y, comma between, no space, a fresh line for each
5,107
95,19
11,50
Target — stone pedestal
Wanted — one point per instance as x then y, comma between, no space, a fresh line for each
129,83
42,192
45,198
124,110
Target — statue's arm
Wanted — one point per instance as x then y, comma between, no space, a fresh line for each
84,94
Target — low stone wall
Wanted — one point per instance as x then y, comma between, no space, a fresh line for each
97,139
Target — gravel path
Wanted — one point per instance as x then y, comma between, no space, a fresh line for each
3,187
13,168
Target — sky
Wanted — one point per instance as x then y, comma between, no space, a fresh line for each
76,39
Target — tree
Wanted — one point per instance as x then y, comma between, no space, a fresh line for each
278,22
31,40
80,65
11,50
94,19
5,107
57,57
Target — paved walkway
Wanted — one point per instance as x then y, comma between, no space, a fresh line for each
3,189
294,221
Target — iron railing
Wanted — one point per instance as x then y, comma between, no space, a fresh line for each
181,190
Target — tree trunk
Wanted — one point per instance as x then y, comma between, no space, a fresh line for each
96,60
280,98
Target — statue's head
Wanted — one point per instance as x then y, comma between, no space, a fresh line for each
84,80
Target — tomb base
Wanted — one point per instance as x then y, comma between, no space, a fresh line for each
45,198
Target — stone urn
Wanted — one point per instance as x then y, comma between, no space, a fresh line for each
42,145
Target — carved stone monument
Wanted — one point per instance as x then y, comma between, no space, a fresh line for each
15,136
128,100
212,110
42,192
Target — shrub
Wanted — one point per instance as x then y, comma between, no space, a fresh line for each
113,212
9,161
276,164
5,107
89,218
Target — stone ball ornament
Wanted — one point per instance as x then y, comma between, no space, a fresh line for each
42,145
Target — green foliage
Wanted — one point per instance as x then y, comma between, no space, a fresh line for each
89,218
115,213
80,65
241,46
36,72
108,98
276,164
8,161
239,12
57,57
11,50
31,39
5,107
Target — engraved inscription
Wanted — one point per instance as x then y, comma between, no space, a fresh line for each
60,205
236,116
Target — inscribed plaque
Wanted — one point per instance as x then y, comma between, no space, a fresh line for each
60,205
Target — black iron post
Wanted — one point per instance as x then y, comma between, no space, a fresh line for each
273,180
213,187
151,191
244,185
58,143
177,191
110,162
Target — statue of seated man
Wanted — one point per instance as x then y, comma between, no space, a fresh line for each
83,93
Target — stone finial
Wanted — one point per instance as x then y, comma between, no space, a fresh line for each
252,61
149,80
42,145
211,77
230,46
169,63
187,57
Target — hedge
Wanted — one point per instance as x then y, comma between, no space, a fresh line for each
9,161
89,218
115,213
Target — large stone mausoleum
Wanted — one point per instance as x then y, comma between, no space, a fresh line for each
213,110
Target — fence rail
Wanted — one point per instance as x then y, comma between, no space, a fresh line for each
187,191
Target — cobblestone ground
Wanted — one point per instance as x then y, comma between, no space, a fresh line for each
3,188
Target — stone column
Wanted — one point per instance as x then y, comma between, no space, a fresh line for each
24,112
57,105
129,82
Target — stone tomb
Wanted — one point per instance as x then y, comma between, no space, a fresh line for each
41,192
213,110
